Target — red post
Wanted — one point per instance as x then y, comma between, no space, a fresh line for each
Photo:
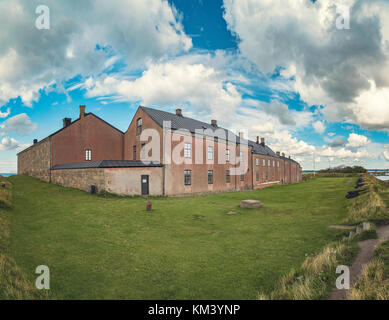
148,206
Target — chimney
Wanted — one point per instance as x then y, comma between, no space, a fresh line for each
283,154
66,122
278,153
263,141
82,112
258,139
179,112
241,135
289,157
35,141
214,123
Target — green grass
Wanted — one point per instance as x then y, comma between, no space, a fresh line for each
186,248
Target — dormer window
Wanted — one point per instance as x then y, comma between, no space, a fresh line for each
139,126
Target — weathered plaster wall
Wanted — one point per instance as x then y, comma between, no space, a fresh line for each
35,160
128,180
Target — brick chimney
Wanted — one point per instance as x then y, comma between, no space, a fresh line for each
35,141
258,139
179,112
66,122
214,123
241,135
278,153
263,141
82,112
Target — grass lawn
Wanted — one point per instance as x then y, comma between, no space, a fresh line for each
186,248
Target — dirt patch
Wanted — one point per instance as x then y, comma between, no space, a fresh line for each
342,227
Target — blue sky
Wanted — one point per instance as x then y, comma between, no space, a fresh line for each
312,78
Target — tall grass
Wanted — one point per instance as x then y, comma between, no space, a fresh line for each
13,283
315,277
5,192
373,283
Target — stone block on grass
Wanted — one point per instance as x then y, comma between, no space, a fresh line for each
250,204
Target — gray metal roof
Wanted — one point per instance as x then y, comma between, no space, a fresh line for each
106,164
182,122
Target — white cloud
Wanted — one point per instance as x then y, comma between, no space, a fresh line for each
8,144
168,84
19,124
386,155
355,141
31,59
5,114
319,127
346,71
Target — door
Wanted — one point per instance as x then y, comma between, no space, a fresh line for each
145,185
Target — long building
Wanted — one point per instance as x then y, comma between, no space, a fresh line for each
161,153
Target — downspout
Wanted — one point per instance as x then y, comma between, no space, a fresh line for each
252,171
50,160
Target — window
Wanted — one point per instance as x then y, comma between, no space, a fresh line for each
274,163
242,177
241,156
227,155
187,177
257,176
263,162
210,153
228,176
134,153
88,154
210,176
257,162
143,152
139,126
188,150
268,163
278,163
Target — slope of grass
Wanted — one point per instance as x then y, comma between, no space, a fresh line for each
13,282
186,248
374,281
316,277
370,205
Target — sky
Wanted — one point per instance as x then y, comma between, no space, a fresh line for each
311,77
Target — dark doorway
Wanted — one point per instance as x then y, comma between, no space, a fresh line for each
145,185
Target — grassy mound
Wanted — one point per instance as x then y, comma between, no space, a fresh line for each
369,206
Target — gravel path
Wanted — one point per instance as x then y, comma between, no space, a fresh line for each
364,256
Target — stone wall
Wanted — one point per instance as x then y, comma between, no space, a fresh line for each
35,160
79,178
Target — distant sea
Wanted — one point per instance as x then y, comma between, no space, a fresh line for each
384,178
6,174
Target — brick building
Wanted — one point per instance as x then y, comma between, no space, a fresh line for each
161,153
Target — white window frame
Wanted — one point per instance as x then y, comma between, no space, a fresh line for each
257,161
263,162
88,155
187,150
269,163
210,153
274,163
227,155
